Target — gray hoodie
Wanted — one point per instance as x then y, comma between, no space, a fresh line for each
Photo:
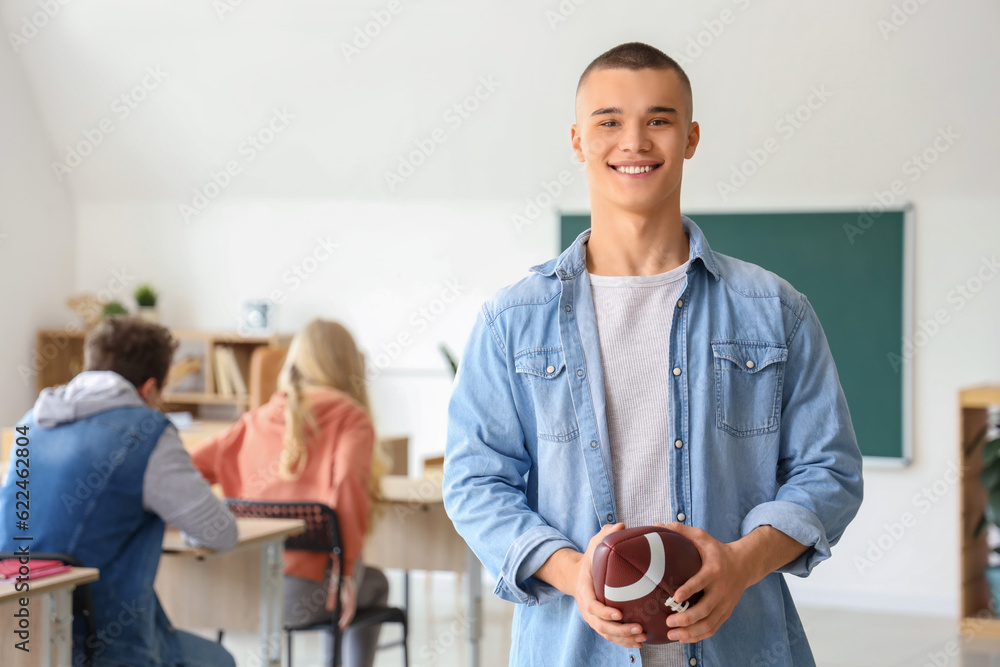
172,487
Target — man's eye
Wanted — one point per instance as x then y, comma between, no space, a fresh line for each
605,123
660,120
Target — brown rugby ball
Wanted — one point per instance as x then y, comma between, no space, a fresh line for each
638,570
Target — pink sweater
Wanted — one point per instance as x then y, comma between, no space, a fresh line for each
244,460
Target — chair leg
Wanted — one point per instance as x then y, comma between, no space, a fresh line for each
335,658
221,632
288,635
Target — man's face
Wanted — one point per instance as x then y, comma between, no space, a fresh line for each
633,121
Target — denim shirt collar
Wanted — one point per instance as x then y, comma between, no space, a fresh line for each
573,260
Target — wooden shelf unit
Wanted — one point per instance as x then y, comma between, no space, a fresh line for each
977,619
60,358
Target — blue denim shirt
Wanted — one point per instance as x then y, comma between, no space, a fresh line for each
527,462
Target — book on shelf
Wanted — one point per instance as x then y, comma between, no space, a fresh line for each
229,372
222,386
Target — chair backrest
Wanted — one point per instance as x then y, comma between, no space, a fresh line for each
265,365
322,532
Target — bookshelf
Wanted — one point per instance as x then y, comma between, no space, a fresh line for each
977,619
59,357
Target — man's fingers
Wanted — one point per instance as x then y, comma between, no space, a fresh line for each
693,615
612,629
696,583
595,608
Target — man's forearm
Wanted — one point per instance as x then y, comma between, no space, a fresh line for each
560,570
764,549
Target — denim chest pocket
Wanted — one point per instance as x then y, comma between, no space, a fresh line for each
748,381
543,371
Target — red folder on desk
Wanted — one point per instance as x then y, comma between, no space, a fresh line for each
10,569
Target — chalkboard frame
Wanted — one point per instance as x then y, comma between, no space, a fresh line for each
907,215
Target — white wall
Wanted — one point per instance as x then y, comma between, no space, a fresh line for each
890,93
36,241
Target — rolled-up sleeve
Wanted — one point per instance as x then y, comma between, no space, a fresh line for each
819,466
484,472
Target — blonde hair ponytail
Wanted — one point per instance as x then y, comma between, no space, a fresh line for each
324,354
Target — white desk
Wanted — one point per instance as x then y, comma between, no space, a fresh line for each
240,589
50,609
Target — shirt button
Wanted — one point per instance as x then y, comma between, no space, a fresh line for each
550,369
677,371
579,372
569,308
631,658
693,661
593,443
680,303
680,516
610,517
749,364
678,444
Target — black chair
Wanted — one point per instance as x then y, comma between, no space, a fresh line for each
83,602
322,535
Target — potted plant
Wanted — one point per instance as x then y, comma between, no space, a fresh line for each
145,297
990,480
113,308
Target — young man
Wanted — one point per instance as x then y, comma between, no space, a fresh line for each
641,378
107,469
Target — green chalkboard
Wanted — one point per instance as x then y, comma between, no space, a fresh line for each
853,269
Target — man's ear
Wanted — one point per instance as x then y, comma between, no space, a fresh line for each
694,136
574,139
148,386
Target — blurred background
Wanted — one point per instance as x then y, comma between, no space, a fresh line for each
391,164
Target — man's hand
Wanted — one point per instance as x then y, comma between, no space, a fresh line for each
603,619
723,577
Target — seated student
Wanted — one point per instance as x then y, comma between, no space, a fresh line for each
107,470
313,442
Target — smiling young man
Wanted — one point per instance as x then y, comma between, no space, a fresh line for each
641,378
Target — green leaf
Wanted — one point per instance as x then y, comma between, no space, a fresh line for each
991,474
979,526
993,505
990,450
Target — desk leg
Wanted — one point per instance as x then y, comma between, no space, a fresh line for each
474,603
271,602
57,629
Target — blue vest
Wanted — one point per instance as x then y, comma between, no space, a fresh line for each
85,480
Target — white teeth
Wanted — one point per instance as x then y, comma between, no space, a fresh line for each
634,170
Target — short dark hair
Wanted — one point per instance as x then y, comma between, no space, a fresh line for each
133,347
636,56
